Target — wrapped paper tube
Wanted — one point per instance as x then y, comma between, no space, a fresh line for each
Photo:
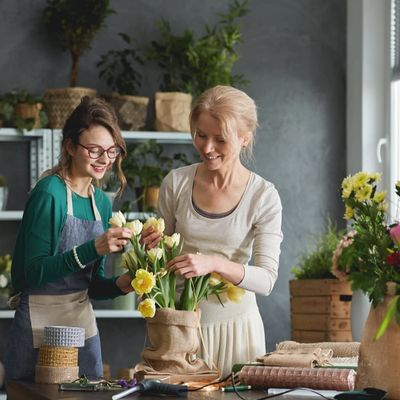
285,377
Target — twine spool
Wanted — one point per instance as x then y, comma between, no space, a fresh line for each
45,374
58,356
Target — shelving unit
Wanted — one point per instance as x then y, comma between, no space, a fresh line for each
7,314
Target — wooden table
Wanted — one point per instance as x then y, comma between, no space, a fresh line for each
20,390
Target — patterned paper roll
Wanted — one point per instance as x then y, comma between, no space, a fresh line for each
58,356
64,336
286,377
340,349
45,374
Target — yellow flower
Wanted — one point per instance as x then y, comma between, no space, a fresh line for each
364,193
360,179
379,196
234,293
135,226
147,308
397,185
215,279
157,224
154,254
171,241
347,187
376,176
118,220
383,206
144,282
348,213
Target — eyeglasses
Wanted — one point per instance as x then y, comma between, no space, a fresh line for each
97,151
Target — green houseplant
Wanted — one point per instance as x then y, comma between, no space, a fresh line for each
22,110
145,166
191,64
72,24
119,69
320,303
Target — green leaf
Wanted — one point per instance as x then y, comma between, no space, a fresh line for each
387,318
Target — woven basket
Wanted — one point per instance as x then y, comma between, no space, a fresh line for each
61,102
131,111
45,374
29,111
50,356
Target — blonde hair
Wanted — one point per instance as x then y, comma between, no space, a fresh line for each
91,111
235,111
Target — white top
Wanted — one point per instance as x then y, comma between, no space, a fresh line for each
252,229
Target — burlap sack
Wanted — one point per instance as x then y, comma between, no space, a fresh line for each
379,361
172,111
131,111
174,340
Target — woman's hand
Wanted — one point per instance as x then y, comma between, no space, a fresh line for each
191,265
150,237
112,240
124,283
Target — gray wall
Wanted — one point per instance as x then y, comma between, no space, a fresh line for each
293,54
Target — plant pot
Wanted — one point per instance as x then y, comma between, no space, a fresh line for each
147,198
29,111
131,111
174,341
379,360
172,111
3,197
60,102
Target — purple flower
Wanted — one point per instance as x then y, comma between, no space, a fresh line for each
395,234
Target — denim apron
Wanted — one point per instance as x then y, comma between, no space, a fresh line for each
64,302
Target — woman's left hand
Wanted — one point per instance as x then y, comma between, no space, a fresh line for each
191,265
124,283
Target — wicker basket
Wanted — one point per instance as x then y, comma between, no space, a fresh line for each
131,111
29,111
61,102
51,356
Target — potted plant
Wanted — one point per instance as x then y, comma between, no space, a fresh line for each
3,192
72,24
119,70
192,65
145,166
22,110
5,279
320,303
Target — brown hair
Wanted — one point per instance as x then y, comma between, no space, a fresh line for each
91,111
235,111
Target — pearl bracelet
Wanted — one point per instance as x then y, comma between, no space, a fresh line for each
77,260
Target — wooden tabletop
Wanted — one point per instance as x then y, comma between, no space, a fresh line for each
20,390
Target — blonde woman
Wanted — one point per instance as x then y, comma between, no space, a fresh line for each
227,215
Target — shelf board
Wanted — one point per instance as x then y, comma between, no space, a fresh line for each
165,137
8,314
11,215
13,134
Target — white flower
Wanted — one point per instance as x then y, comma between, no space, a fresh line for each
154,254
3,281
135,226
118,220
157,224
171,241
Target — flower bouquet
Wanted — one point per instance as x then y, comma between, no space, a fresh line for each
369,257
172,318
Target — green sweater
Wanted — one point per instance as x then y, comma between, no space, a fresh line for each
36,260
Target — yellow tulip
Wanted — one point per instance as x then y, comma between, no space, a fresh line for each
118,220
135,226
154,254
235,293
157,224
144,282
171,241
147,308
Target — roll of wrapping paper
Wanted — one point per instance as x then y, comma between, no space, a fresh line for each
286,377
64,336
52,356
44,374
340,349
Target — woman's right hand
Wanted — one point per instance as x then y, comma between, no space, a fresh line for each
150,237
112,240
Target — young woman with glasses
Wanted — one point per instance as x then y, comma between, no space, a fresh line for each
58,263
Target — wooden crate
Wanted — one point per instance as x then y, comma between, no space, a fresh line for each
320,310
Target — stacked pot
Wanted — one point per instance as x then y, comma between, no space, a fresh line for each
58,356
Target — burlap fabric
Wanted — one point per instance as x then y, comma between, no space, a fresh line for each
379,361
172,111
340,349
174,340
304,358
